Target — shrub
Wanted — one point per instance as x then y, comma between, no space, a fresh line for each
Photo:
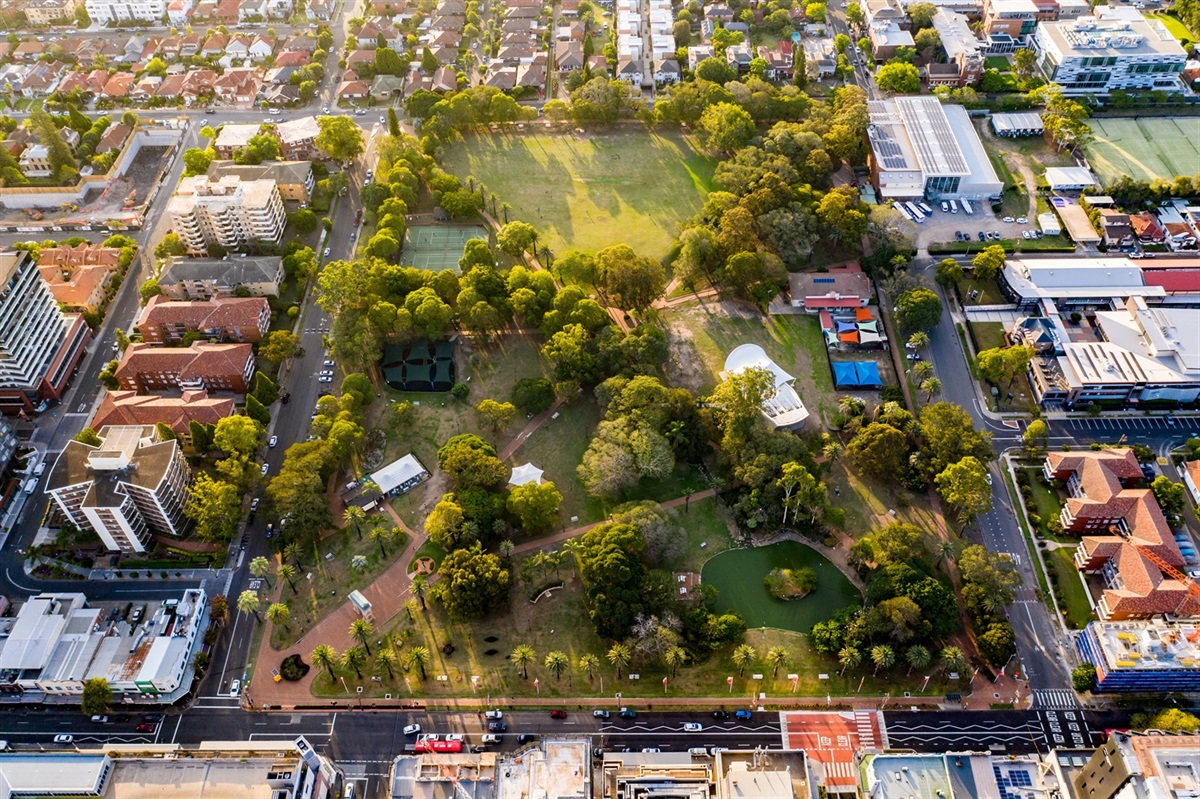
460,391
293,669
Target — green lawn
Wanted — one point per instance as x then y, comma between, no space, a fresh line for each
988,335
589,191
998,62
1072,595
557,448
1177,28
1046,504
989,292
1146,148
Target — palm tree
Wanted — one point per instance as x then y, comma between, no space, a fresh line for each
417,656
362,631
287,572
412,609
293,552
618,655
953,659
832,450
359,563
675,657
849,657
931,386
522,656
506,548
418,588
589,663
354,658
743,656
883,657
248,602
557,662
355,515
387,661
260,567
851,406
279,615
917,656
922,369
776,657
505,208
919,340
326,657
946,550
381,534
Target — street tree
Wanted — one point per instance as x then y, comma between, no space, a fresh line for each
918,309
988,262
776,657
249,602
948,272
589,664
340,138
743,655
965,486
849,657
215,507
287,572
354,658
557,662
260,567
883,656
279,614
325,657
521,657
417,657
96,697
619,655
898,77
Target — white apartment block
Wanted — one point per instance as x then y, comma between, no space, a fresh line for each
229,211
32,328
132,486
56,642
1116,49
106,11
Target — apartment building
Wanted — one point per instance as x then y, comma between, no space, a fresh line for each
230,212
78,276
1142,657
1118,48
1139,766
294,179
1014,18
221,319
130,408
211,367
1111,517
56,642
105,11
204,278
40,346
130,487
45,12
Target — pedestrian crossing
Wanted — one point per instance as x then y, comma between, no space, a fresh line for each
839,769
866,731
1183,423
1055,699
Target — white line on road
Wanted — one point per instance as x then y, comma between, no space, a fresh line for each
176,733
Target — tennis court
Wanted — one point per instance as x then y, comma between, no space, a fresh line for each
1145,149
437,247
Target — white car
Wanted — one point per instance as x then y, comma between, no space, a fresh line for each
456,736
63,739
326,373
266,467
328,362
1022,220
274,112
494,714
412,729
692,726
1025,234
327,251
235,689
325,379
1009,219
651,750
274,440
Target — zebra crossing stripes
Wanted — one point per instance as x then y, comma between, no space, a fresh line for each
1055,699
866,731
840,770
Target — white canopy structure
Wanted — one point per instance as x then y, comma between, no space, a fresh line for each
785,408
399,475
525,473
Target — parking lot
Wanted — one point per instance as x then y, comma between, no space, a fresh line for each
1187,425
941,226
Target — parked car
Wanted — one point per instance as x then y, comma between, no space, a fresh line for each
455,736
626,713
743,714
491,739
266,467
273,442
412,729
982,237
692,726
1022,220
651,749
328,362
601,714
526,737
494,714
558,714
63,738
235,688
254,502
497,726
144,727
720,715
327,251
1009,219
98,719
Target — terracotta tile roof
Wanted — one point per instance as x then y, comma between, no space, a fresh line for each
241,318
129,408
1121,462
198,361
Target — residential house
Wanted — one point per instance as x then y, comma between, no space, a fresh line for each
198,84
293,58
1146,228
178,12
319,10
278,76
386,87
145,88
503,78
568,56
630,70
698,53
445,79
190,44
234,137
1115,229
237,87
41,80
35,161
114,137
172,86
739,57
297,137
279,96
667,72
212,367
221,319
214,46
779,61
46,12
28,51
78,276
260,48
531,76
352,90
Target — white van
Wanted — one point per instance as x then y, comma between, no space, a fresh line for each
699,751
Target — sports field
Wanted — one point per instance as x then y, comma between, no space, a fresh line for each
1145,149
591,190
437,247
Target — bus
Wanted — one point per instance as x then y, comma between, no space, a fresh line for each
438,746
966,204
900,207
924,206
954,206
917,216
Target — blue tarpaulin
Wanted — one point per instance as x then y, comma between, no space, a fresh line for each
856,374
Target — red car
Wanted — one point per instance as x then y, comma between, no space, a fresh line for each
558,714
147,727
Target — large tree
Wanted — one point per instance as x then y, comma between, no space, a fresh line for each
918,309
470,461
340,138
535,505
238,435
948,435
630,281
613,577
965,485
879,450
473,583
726,127
898,77
97,696
215,507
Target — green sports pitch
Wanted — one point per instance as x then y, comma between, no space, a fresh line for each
1145,149
437,247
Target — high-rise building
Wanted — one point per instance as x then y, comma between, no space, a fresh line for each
39,344
126,489
230,212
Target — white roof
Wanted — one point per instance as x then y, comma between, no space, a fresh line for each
398,472
784,409
1022,120
525,473
1100,362
35,633
45,772
236,135
1069,176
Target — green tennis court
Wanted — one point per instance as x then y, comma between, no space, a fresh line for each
1145,149
437,247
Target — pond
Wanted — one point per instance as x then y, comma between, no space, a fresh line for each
738,575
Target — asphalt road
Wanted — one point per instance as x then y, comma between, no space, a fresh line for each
1001,731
